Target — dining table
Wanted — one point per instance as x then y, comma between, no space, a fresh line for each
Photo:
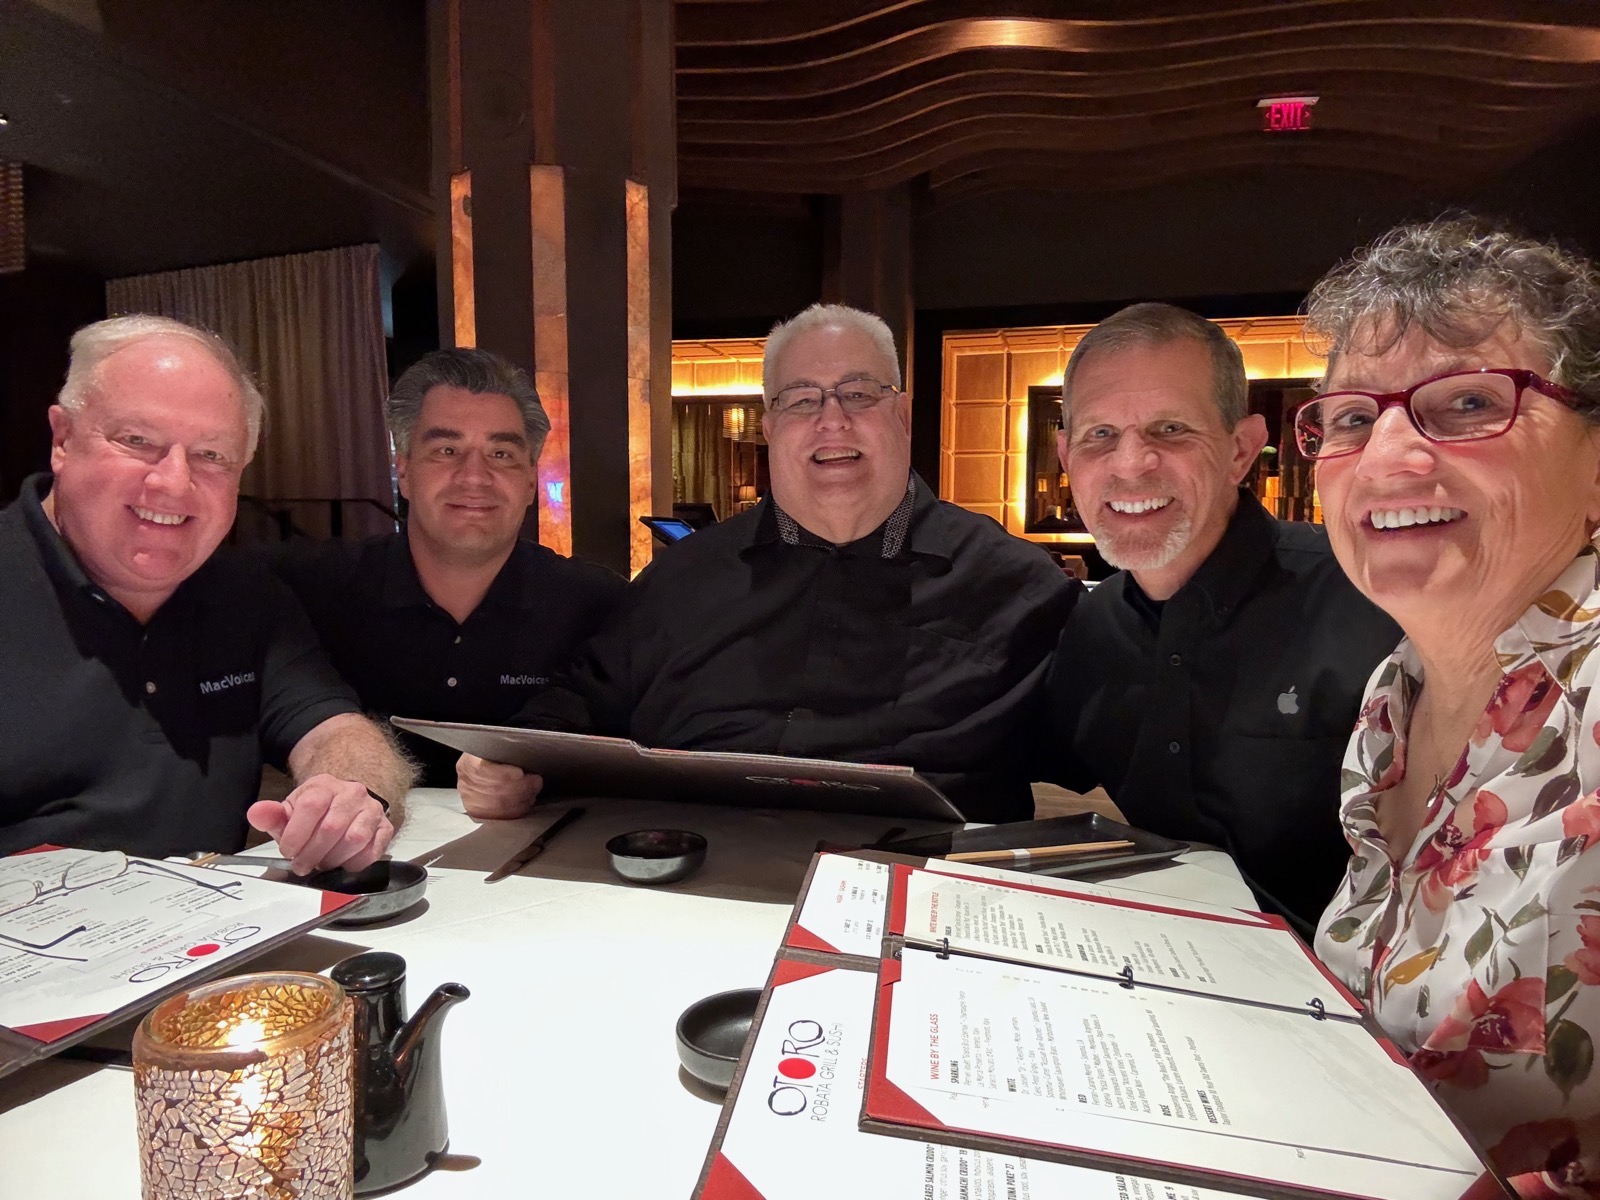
561,1072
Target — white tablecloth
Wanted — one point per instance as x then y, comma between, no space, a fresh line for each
561,1074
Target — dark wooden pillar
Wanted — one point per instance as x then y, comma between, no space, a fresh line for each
866,261
553,139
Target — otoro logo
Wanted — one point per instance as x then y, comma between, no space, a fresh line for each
792,1093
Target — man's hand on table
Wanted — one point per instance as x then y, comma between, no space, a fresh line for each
324,823
492,791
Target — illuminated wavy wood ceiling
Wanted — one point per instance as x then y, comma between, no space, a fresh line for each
838,95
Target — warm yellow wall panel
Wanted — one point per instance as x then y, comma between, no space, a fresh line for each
979,426
979,479
1265,360
987,365
1031,368
716,376
980,377
1303,364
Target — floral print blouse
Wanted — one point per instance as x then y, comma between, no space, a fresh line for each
1480,953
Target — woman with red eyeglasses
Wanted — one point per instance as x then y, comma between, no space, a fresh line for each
1457,446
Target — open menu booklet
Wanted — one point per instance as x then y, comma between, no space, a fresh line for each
91,937
790,1129
1083,1039
581,764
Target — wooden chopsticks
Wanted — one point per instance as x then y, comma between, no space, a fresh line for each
1023,854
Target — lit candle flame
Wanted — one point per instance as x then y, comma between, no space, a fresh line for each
245,1033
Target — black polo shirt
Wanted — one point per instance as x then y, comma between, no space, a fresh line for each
405,656
146,738
1222,714
924,644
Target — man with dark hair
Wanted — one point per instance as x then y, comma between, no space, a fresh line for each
143,677
850,615
1209,686
456,617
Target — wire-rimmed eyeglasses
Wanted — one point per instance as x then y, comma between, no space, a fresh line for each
853,395
1460,406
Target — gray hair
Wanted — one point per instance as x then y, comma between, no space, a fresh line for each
95,343
1457,278
1151,325
828,316
477,371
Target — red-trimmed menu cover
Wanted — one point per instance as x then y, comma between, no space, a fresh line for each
91,937
789,1129
1206,1046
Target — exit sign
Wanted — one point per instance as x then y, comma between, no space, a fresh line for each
1286,114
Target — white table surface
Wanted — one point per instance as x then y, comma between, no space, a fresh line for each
561,1073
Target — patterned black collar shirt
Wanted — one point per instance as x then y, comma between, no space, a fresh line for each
923,644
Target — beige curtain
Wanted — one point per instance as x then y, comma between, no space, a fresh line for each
310,326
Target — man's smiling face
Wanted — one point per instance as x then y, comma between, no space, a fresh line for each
147,470
1153,470
468,474
841,460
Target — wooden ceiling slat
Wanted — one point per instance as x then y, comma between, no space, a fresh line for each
1418,157
838,95
1103,42
1093,97
1224,114
710,23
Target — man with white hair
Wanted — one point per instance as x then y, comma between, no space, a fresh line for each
142,678
850,615
1211,685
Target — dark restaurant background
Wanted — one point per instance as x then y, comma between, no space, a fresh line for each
157,135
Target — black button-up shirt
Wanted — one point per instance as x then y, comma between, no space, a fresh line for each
1221,715
146,738
738,638
405,656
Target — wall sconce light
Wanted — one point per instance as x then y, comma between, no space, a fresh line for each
742,423
243,1088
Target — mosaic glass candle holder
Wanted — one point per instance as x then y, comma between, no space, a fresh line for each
244,1091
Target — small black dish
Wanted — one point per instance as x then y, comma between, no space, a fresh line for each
386,888
711,1033
651,856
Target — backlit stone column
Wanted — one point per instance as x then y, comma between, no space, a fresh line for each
553,141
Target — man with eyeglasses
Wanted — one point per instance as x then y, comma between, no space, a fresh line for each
1211,684
850,615
143,678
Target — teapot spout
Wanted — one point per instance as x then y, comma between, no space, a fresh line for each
413,1034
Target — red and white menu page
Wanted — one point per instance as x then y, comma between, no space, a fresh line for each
1144,939
1266,1099
792,1133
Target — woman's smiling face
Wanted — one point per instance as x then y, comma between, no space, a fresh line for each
1490,523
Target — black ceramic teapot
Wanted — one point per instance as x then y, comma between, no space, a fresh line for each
401,1128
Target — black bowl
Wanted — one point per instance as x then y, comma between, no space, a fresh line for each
386,888
656,855
711,1033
